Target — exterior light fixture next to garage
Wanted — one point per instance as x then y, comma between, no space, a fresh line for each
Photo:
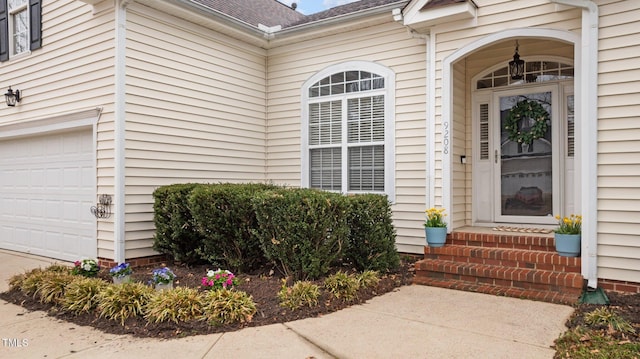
12,97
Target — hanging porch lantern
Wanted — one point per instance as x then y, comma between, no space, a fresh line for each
516,66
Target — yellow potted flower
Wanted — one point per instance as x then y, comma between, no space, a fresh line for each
435,228
567,235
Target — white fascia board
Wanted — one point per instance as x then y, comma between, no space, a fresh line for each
439,15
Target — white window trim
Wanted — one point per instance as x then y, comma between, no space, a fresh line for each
10,14
389,124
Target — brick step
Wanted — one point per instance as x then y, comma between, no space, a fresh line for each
533,294
508,240
516,258
524,278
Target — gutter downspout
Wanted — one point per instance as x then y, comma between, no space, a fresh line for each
588,109
119,130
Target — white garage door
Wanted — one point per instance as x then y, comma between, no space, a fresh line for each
46,192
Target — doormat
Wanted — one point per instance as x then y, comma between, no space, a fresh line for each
522,230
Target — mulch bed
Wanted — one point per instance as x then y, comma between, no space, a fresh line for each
263,286
625,305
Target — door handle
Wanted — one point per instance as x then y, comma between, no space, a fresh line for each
495,156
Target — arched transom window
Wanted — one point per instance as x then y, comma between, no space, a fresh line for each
535,72
347,129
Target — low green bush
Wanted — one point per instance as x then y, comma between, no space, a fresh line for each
225,218
342,286
176,234
51,286
178,305
301,231
228,306
302,293
372,238
119,302
81,295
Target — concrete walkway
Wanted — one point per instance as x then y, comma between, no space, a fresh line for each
412,322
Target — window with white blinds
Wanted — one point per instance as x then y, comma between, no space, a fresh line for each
346,141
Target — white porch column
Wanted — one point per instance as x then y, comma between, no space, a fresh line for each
587,127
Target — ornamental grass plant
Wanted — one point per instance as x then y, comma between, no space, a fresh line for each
181,304
228,306
302,293
51,287
81,295
342,286
119,302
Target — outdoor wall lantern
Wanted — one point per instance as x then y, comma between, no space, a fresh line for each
516,66
12,97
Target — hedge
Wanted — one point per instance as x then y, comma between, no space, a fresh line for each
305,233
302,231
176,234
372,237
224,218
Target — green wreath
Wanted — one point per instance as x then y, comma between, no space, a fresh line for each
527,109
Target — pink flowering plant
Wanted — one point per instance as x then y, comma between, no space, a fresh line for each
86,268
219,279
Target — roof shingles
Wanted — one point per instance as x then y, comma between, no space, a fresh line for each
272,12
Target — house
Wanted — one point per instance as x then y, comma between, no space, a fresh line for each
415,99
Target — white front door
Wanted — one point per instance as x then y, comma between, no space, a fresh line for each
526,167
522,171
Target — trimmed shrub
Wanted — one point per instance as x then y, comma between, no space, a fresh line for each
372,237
178,305
342,285
175,234
225,218
228,306
301,231
119,302
300,294
81,295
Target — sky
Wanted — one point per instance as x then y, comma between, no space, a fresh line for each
313,6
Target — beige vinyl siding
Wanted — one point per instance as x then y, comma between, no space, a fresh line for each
388,44
71,73
619,141
195,112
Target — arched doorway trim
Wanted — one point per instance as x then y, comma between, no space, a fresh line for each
447,89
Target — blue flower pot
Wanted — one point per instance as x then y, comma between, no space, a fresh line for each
436,236
568,245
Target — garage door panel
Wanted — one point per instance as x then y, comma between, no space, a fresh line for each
47,189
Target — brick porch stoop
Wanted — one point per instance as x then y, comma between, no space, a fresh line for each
513,265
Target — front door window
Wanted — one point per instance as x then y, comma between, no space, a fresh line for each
526,175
